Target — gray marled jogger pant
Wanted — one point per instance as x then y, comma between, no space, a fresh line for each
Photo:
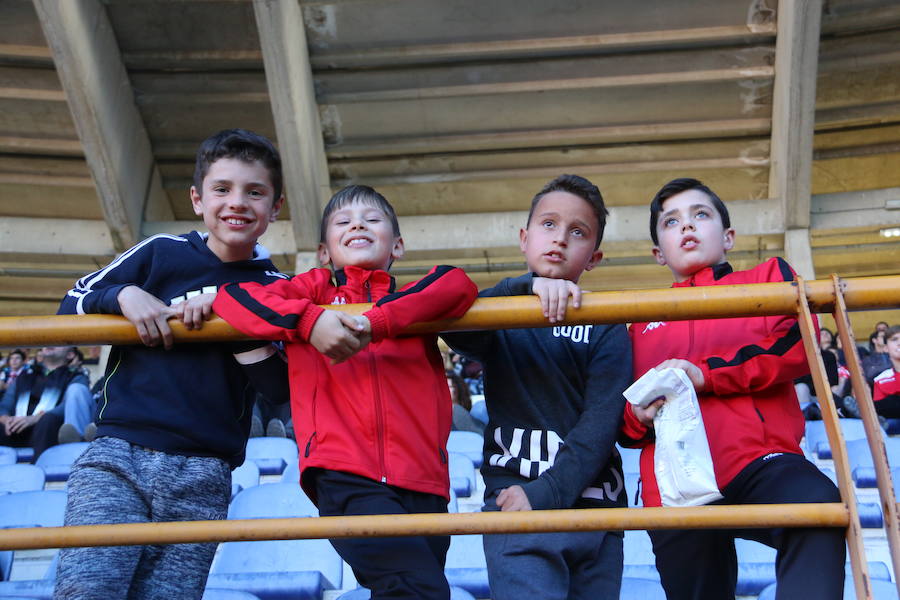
117,482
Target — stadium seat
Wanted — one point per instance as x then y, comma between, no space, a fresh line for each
632,488
479,412
466,567
272,454
860,458
272,501
8,456
6,561
279,568
452,505
56,461
24,455
881,590
893,427
641,589
214,594
462,474
21,478
467,442
817,439
245,476
639,561
44,508
291,473
364,594
631,459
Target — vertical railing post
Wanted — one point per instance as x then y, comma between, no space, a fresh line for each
857,551
873,428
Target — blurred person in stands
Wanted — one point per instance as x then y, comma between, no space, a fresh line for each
42,399
15,364
887,383
878,359
462,404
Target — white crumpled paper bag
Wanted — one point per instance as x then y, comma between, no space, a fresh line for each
682,462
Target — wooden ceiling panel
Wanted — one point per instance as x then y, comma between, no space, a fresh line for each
366,121
335,26
35,200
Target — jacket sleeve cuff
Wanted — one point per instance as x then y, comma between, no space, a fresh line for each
107,302
707,377
308,321
378,322
540,494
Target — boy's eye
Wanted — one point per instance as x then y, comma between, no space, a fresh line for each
670,222
702,214
578,232
547,224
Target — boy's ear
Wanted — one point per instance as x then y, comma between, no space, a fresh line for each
322,255
276,209
728,242
596,257
398,250
523,239
196,201
658,255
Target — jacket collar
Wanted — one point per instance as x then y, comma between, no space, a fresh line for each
707,276
355,276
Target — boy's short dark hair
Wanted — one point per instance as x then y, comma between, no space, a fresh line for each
357,193
577,186
20,352
243,145
676,186
891,332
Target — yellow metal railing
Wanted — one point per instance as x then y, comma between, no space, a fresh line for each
799,298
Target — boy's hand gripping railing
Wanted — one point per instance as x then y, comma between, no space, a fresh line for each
496,313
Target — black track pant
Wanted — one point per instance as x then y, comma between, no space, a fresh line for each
399,567
701,564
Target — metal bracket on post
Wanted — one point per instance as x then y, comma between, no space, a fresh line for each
855,546
872,426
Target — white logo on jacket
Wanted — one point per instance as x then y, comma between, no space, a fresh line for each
653,325
209,289
339,300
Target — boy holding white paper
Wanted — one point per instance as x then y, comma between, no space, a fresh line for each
742,370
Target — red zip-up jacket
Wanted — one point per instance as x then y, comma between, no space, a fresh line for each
383,414
749,406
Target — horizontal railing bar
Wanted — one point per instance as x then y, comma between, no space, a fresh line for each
179,532
668,304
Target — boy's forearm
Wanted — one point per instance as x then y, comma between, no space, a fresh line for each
263,313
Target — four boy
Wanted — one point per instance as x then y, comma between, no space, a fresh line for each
372,410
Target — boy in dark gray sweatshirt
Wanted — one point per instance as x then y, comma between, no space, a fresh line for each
555,401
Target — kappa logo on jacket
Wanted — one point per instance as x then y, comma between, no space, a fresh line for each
653,325
339,300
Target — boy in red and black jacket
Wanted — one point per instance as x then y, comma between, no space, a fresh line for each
371,410
743,371
887,383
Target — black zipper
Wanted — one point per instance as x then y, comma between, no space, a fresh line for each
308,444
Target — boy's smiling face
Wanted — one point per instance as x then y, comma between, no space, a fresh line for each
560,238
237,206
691,234
893,348
362,235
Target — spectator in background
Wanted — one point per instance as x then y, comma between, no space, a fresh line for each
462,404
41,399
881,326
887,383
877,360
15,364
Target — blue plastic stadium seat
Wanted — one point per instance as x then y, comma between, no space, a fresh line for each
860,458
273,501
8,456
56,461
291,473
214,594
479,412
639,560
245,476
44,508
462,474
893,426
452,505
467,442
466,567
631,459
24,455
641,589
21,478
276,569
881,590
817,439
272,454
632,487
33,589
364,594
